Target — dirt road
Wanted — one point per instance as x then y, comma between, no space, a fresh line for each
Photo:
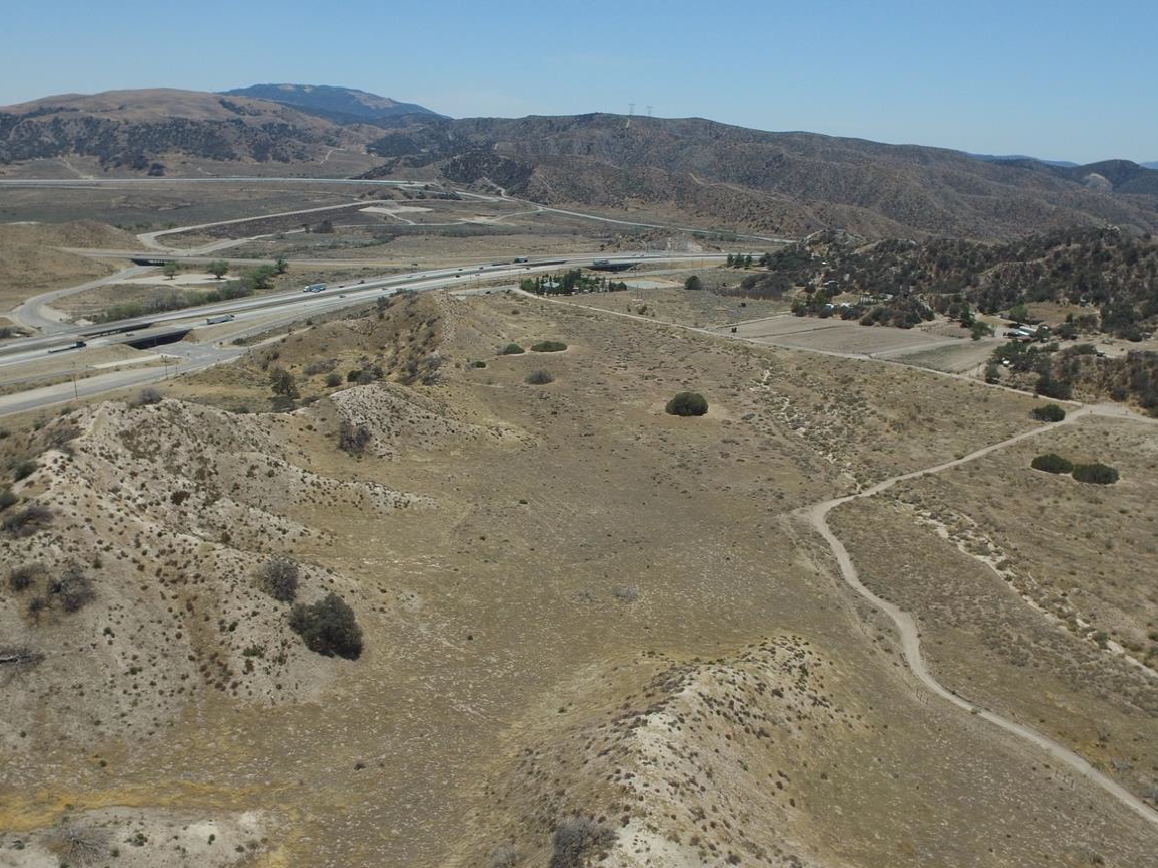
817,516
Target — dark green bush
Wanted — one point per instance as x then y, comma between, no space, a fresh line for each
478,363
548,347
687,404
1051,463
278,577
1098,474
333,380
328,627
24,470
7,498
1048,413
511,350
539,378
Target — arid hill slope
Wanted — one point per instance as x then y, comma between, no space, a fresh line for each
573,605
774,182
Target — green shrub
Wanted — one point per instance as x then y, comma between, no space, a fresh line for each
1051,463
511,350
687,404
539,378
1048,413
7,498
548,347
278,577
328,627
478,363
1098,474
24,470
333,380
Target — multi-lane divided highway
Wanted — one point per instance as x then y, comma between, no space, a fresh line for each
251,316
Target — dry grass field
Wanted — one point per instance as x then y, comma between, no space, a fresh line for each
1034,590
582,616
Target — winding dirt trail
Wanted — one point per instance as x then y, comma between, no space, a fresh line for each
817,516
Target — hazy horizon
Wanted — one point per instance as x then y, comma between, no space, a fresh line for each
1049,80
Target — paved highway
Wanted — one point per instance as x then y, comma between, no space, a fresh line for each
257,315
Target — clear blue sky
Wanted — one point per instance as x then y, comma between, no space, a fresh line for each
1058,80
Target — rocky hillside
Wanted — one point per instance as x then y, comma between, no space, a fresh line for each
1112,275
137,129
342,105
773,182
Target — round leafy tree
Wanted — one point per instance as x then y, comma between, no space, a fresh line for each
687,404
1098,474
549,347
1048,413
328,627
1051,463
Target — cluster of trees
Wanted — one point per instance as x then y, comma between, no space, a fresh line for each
256,279
569,283
1093,474
1113,273
328,626
70,590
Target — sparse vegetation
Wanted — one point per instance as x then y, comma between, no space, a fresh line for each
539,378
278,577
27,521
72,589
328,627
353,437
22,577
687,404
23,470
145,397
78,845
577,840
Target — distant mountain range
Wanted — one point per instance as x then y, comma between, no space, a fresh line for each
691,171
342,105
790,183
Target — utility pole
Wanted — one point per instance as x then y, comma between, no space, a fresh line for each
631,109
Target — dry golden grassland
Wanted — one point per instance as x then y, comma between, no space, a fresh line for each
572,603
1034,590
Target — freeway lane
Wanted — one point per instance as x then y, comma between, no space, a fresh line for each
61,333
259,315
